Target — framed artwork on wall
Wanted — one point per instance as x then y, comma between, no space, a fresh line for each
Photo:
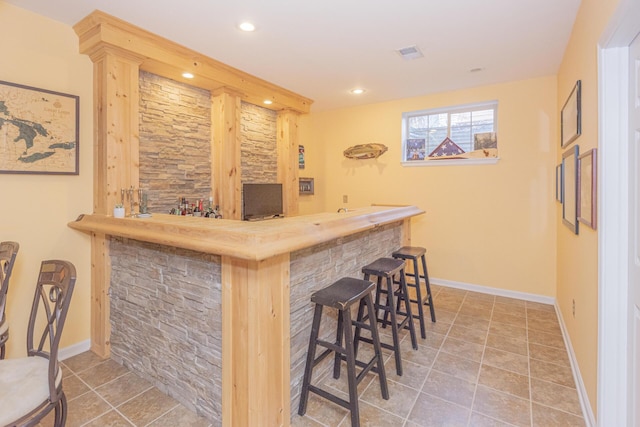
40,131
587,184
570,188
570,117
559,183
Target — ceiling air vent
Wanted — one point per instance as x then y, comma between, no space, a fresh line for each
410,52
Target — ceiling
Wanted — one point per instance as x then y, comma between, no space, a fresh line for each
322,49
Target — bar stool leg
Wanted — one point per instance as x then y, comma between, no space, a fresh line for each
351,368
337,358
412,329
360,318
382,376
419,300
429,296
308,370
394,325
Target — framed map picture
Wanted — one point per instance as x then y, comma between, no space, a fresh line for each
38,131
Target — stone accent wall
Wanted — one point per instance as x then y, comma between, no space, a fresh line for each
318,267
175,142
166,321
258,146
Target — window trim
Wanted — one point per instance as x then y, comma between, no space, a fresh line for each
462,108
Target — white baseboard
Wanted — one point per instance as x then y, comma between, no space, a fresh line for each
587,413
73,350
493,291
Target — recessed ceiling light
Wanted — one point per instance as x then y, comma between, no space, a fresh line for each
268,101
357,91
187,75
247,26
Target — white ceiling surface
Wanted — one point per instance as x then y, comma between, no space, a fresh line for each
323,48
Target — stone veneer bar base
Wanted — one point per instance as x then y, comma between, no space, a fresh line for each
166,321
166,311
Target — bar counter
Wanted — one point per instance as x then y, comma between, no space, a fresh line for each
250,299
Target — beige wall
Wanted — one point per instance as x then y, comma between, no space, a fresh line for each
577,275
489,225
43,53
492,225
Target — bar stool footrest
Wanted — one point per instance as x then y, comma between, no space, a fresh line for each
335,399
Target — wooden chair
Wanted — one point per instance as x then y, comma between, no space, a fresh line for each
31,387
8,252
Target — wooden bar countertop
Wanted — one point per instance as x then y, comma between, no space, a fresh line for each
250,240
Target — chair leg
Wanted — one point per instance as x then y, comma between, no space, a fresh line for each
2,350
429,296
60,414
311,352
351,368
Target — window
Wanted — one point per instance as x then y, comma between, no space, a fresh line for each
462,132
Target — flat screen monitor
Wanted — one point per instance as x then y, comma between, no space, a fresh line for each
261,201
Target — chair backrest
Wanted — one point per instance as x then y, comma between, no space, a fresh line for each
48,313
8,251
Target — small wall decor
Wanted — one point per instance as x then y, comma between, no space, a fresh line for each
570,188
570,117
365,151
559,183
416,149
587,184
300,156
306,185
485,140
40,130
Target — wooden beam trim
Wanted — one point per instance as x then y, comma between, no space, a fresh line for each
99,30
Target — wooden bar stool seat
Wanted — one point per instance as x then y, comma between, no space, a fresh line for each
413,253
388,268
342,295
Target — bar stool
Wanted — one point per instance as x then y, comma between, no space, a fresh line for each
388,268
341,295
412,253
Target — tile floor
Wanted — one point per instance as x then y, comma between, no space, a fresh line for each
102,393
488,361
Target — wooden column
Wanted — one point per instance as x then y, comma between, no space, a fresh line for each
225,152
287,141
116,166
255,342
406,232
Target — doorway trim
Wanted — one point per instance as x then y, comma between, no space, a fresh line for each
613,280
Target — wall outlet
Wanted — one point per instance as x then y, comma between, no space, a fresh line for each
345,199
573,309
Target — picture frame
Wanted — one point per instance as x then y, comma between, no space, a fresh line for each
570,188
559,183
40,131
571,116
587,184
306,186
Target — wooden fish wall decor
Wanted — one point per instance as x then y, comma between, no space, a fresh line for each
365,151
